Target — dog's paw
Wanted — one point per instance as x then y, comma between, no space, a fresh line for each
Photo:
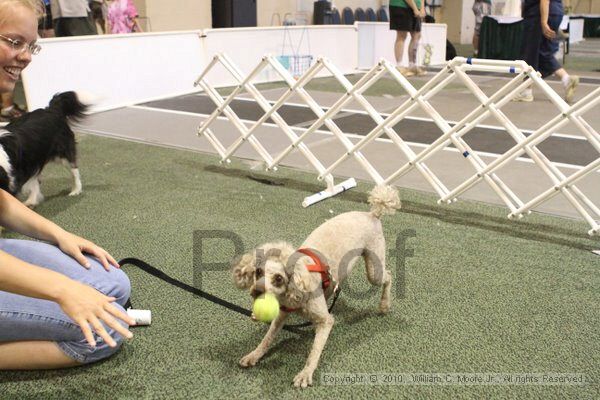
34,200
31,203
249,360
384,307
303,379
75,192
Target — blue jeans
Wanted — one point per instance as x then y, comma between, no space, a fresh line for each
25,318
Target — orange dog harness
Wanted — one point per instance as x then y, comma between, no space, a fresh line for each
319,267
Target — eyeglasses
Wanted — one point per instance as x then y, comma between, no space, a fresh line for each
19,46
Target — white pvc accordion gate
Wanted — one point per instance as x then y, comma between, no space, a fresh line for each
490,106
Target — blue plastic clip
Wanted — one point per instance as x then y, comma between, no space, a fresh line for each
512,70
469,60
466,154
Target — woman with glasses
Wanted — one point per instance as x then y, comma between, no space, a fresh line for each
58,307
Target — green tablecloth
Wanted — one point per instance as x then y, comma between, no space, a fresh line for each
500,41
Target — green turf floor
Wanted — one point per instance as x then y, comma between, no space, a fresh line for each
481,294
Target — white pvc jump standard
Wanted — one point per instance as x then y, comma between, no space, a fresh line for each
223,107
524,77
561,187
454,134
461,127
491,106
418,98
337,132
535,138
355,92
270,111
296,86
527,145
382,67
364,83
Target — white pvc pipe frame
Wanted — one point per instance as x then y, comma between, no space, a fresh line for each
524,77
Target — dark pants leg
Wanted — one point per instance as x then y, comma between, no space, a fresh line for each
74,27
532,40
548,64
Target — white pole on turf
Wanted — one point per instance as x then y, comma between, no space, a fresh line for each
325,194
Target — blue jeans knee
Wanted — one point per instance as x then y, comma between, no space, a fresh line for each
113,284
82,352
26,318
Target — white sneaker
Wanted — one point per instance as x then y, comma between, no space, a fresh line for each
525,97
418,71
570,88
407,72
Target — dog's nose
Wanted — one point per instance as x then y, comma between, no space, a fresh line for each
259,287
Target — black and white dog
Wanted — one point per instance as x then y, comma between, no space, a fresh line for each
30,142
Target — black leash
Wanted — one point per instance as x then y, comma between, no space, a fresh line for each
144,266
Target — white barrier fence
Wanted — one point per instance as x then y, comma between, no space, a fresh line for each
127,69
490,106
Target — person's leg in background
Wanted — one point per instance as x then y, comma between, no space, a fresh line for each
548,64
399,52
36,334
98,16
45,29
399,22
413,46
59,27
396,24
477,10
481,8
74,26
530,51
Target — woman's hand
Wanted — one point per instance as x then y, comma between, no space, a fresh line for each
75,246
87,307
547,31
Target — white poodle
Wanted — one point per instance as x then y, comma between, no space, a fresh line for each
287,272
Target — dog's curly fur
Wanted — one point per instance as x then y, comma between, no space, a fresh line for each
279,269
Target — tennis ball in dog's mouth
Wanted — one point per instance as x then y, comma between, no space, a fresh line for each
265,307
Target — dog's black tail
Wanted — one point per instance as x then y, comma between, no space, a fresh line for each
68,104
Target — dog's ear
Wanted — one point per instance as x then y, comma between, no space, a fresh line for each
244,267
299,287
243,270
